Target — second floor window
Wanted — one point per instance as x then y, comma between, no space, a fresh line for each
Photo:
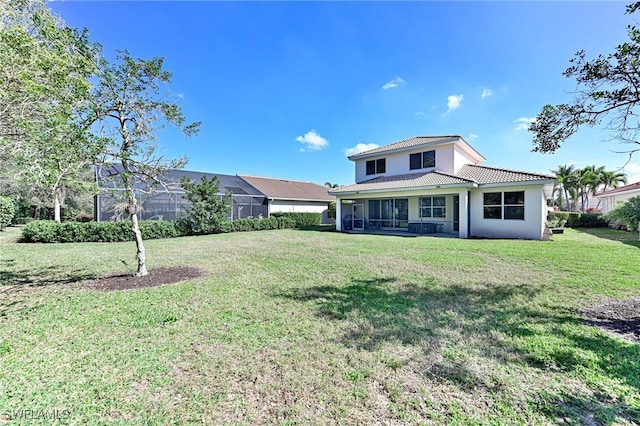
375,167
422,160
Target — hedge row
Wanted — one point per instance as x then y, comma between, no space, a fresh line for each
246,224
48,231
301,219
578,220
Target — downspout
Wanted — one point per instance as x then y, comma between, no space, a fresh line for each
468,214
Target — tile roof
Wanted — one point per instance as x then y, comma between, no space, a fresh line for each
413,142
486,174
630,187
284,189
407,181
469,175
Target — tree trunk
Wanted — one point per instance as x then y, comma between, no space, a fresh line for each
142,259
56,205
132,209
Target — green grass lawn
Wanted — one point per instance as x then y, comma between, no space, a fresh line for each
306,327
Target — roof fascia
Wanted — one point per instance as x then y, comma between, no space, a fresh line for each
406,189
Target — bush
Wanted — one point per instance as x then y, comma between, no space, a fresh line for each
627,213
557,219
576,220
7,211
592,220
208,210
47,231
301,219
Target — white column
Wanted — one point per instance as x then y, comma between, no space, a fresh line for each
338,214
464,217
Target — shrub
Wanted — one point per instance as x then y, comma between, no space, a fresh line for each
7,211
627,213
592,220
285,222
557,219
301,219
208,210
47,231
573,220
576,220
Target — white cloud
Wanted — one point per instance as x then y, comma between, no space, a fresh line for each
419,114
473,136
361,147
523,123
453,102
392,83
312,141
486,93
633,172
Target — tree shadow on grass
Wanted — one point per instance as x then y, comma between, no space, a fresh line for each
13,281
383,310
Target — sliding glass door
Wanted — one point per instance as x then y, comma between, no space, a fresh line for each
389,213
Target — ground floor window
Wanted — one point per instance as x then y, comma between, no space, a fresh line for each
433,206
503,205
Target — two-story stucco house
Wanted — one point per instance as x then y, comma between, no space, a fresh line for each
435,184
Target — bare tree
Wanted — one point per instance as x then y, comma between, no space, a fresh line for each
128,109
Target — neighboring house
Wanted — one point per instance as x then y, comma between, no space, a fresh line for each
167,201
251,196
286,195
431,184
607,200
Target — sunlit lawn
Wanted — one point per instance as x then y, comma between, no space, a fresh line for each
312,327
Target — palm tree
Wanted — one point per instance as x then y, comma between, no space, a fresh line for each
331,185
610,180
589,181
564,179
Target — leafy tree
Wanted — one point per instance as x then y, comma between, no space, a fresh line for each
208,208
608,91
128,108
44,83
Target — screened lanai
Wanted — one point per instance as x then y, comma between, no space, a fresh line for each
165,202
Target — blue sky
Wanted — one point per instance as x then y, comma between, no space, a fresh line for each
286,89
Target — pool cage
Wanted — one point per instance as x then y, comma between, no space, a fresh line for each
167,202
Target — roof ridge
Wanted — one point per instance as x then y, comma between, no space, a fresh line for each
407,139
275,178
509,170
453,175
620,188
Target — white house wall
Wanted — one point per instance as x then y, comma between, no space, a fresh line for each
609,202
289,206
531,227
459,159
449,159
414,205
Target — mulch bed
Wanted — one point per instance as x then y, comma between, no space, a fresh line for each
156,277
619,316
